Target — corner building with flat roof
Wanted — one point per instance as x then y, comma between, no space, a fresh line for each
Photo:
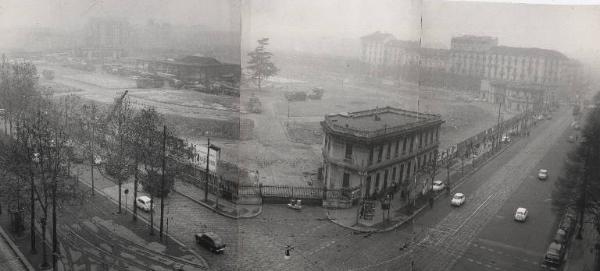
370,152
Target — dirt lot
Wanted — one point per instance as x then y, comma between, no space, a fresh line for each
285,144
287,140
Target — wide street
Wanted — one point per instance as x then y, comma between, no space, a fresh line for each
479,235
476,236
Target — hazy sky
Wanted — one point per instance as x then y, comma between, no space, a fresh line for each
573,30
294,24
70,14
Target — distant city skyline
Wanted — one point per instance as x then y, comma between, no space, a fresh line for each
71,14
335,26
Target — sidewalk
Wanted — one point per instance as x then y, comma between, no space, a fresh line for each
10,255
225,207
580,255
400,214
192,192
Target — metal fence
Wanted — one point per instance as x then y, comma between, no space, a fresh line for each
268,193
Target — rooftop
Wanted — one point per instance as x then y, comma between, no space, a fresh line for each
379,121
403,43
192,61
519,85
527,52
378,36
473,38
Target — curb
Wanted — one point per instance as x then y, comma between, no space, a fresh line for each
418,211
154,226
214,209
22,259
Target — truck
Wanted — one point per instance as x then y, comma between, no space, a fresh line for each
554,254
295,96
316,93
254,105
48,74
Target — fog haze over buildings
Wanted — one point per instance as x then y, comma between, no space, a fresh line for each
572,30
181,24
70,14
336,26
333,26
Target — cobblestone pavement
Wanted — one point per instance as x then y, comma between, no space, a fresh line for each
435,241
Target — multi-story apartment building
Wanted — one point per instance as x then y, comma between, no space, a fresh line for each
468,54
376,149
105,38
500,74
374,48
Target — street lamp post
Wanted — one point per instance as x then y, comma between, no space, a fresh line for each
362,173
45,264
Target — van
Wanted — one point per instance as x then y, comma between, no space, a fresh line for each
143,203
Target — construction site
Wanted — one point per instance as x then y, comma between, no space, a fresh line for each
272,136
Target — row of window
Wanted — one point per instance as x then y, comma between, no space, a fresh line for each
402,145
398,174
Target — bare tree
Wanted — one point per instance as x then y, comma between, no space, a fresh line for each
580,186
117,164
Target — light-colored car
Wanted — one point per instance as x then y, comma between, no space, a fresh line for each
143,203
571,139
506,139
521,214
543,174
458,199
438,185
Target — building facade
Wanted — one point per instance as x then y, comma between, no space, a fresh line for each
377,149
104,39
193,69
479,64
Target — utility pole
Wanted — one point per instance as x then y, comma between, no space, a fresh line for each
32,199
135,184
207,171
54,184
162,181
93,123
497,143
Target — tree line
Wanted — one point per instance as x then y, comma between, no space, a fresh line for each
44,134
579,187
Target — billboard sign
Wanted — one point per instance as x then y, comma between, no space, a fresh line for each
200,157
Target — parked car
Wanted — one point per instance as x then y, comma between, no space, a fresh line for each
458,199
571,139
143,203
554,254
506,139
543,174
211,241
521,214
438,185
